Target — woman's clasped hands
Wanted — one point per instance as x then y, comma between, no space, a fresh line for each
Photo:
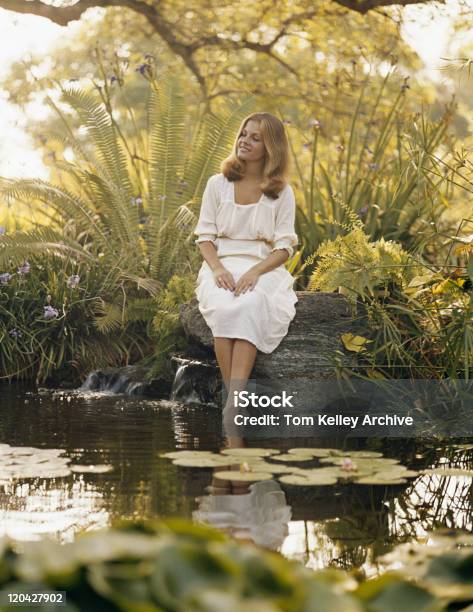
246,282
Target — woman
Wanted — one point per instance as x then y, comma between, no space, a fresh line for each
245,234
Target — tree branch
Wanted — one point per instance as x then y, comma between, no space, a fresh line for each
62,15
363,6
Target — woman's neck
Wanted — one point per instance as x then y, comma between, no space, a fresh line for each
254,170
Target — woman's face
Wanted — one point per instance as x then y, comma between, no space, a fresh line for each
250,146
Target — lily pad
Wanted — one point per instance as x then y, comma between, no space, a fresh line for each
274,468
243,476
326,471
187,453
250,452
205,462
377,480
362,462
311,452
307,481
91,469
29,462
293,457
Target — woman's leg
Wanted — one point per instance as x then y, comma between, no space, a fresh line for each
223,348
243,359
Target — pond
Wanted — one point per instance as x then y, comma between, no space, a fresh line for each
344,525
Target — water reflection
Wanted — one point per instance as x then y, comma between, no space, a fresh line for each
341,525
256,512
43,508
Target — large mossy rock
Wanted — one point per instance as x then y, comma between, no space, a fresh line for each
312,347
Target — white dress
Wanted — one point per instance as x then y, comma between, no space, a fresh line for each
245,234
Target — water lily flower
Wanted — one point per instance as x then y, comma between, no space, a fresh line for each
24,269
73,281
5,277
347,465
50,312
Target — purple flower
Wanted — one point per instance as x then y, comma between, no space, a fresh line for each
136,200
5,277
15,333
24,269
113,79
307,145
73,281
314,123
374,166
2,230
50,312
363,211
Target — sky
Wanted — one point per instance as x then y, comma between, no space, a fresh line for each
27,34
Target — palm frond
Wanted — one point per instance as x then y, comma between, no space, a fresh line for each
15,248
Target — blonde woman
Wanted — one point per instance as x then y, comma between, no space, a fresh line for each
245,234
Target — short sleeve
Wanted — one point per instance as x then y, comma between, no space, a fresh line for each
206,228
285,236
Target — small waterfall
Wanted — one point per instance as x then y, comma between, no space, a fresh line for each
182,389
129,380
195,382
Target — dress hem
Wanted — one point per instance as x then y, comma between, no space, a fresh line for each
236,336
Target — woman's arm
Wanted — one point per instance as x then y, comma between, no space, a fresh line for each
223,277
248,280
273,260
206,230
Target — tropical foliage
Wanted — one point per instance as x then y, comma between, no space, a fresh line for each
421,314
120,218
379,163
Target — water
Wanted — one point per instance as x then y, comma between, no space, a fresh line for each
343,525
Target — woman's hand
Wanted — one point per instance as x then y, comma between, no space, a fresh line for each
247,281
223,278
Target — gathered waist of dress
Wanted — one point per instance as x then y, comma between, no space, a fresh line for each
237,246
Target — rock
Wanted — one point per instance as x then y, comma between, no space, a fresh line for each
312,346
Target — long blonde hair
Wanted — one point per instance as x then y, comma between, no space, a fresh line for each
276,162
